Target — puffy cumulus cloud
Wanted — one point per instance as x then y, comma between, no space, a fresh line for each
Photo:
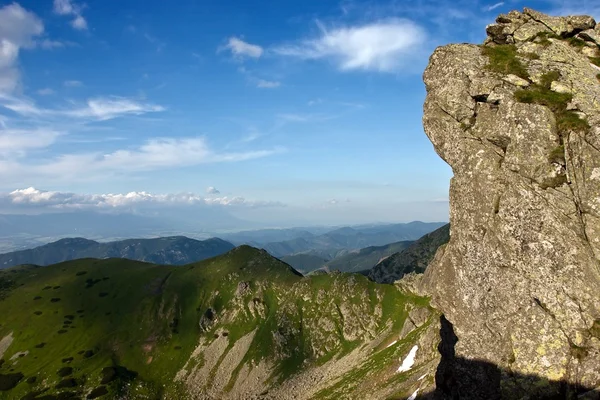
212,190
40,200
70,8
18,29
384,46
242,49
100,108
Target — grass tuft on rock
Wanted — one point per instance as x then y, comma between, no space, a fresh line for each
503,60
576,42
556,102
566,121
557,155
543,38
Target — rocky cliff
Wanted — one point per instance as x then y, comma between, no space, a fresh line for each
518,120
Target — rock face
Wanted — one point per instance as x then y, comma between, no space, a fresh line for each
519,280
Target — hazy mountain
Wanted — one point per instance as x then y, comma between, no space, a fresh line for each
415,258
24,231
263,236
349,238
305,262
176,250
366,258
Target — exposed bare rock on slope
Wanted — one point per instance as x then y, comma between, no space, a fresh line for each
520,277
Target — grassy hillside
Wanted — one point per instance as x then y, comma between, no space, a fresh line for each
176,250
120,328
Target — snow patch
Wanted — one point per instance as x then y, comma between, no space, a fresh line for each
409,361
422,377
391,344
414,395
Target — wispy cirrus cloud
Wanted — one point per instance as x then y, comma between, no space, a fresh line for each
154,154
72,83
265,84
100,108
241,49
383,46
17,142
45,92
494,6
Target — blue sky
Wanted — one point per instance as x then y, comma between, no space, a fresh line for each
295,112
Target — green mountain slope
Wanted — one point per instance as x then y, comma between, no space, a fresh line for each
414,258
365,258
177,250
234,326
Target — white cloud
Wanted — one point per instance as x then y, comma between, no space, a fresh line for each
73,83
48,44
383,46
70,8
52,200
79,23
494,6
45,92
241,49
155,154
212,190
15,142
101,108
267,84
18,28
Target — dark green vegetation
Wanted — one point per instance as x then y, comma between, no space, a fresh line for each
130,332
503,60
177,250
414,258
595,61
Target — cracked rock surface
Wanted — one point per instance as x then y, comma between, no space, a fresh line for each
520,277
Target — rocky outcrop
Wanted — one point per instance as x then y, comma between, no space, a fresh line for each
518,120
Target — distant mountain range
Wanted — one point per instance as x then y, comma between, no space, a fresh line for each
176,250
347,249
349,238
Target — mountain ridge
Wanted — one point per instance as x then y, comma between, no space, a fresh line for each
174,250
